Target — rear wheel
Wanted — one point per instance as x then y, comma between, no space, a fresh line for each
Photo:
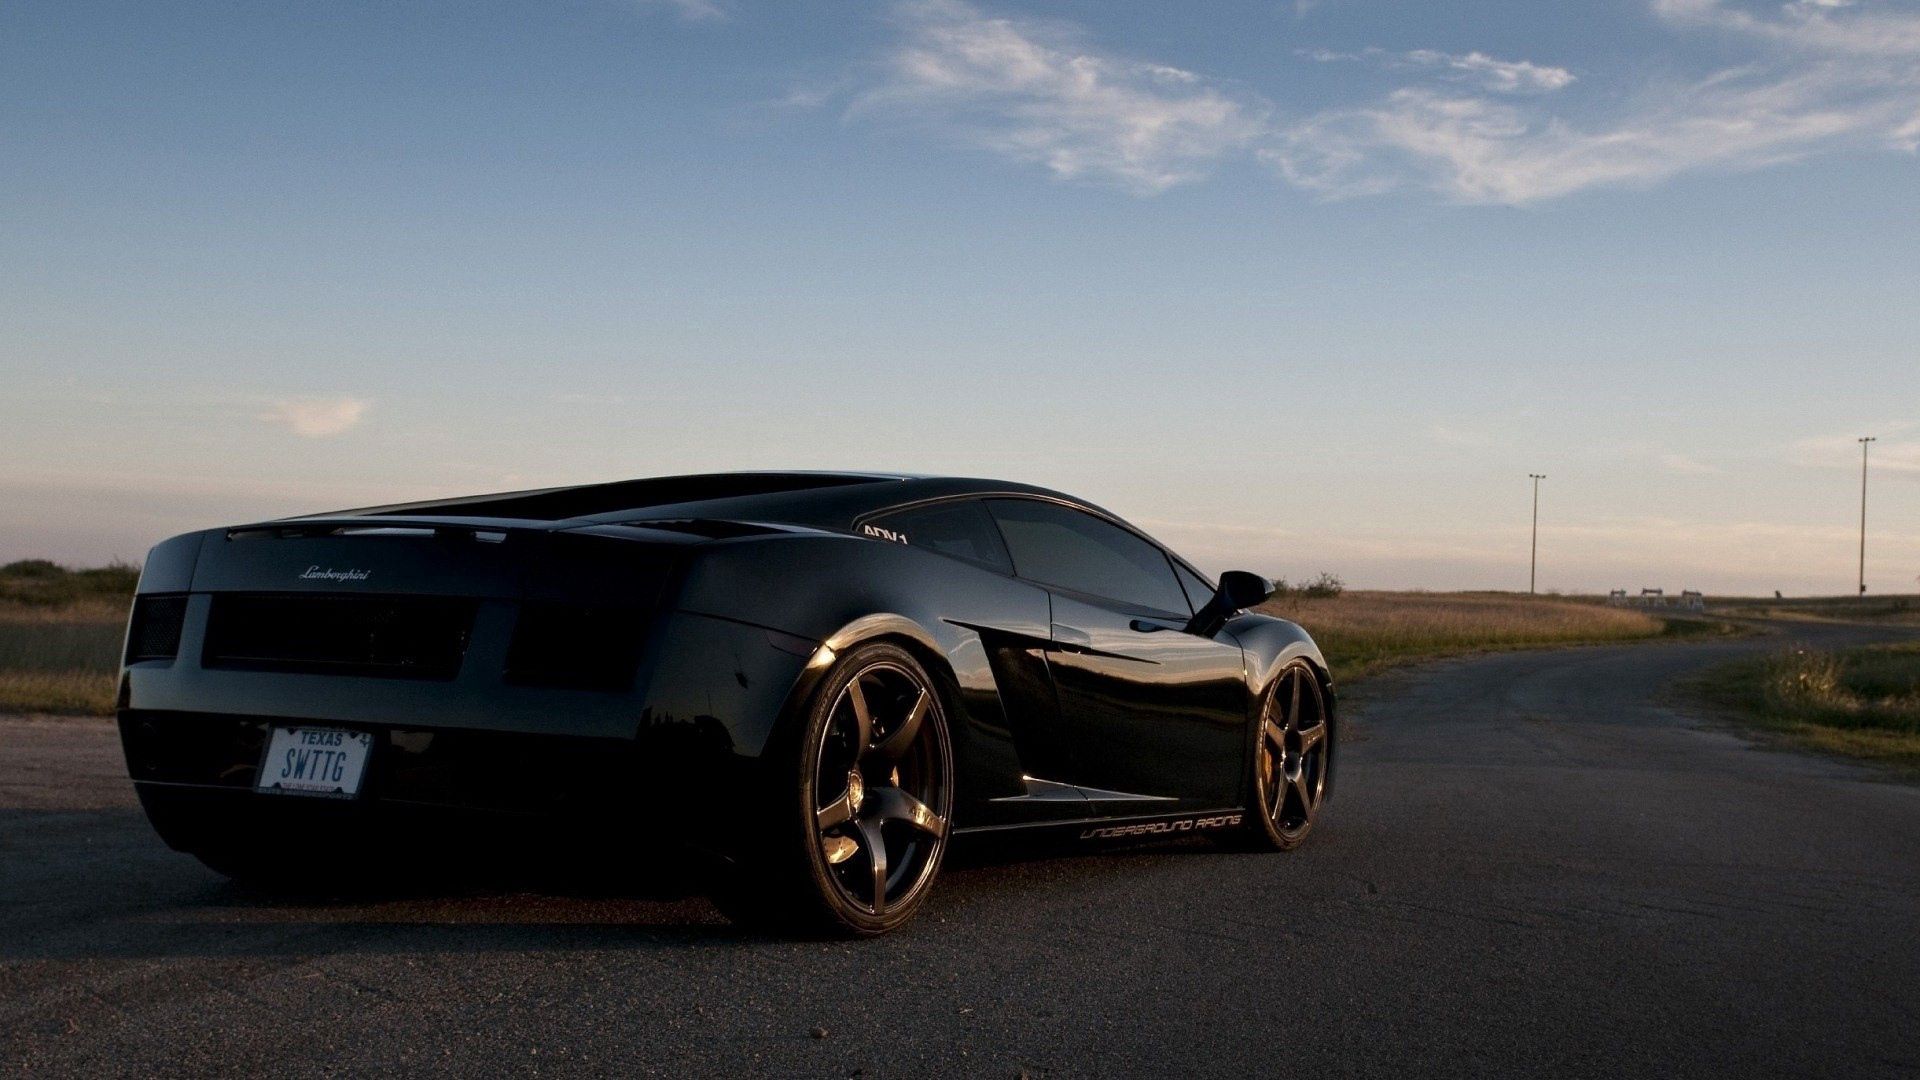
1290,759
871,795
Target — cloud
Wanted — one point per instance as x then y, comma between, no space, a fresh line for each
1507,76
1820,76
1500,76
1808,26
1895,451
1688,466
689,10
316,418
1035,92
1476,150
1835,78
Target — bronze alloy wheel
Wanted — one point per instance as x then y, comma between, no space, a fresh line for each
881,787
1290,760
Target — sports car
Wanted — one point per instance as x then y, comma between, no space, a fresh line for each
820,680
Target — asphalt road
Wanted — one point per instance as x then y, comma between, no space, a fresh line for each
1533,865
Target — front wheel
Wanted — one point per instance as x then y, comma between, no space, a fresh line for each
1290,760
870,797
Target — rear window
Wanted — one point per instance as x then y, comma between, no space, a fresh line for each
963,530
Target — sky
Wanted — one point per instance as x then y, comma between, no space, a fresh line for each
1297,286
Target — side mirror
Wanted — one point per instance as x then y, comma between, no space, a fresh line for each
1238,591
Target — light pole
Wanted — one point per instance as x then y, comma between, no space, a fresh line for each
1533,560
1863,511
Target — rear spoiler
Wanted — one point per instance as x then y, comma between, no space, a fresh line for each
490,532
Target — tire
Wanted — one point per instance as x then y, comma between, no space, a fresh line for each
1293,748
870,771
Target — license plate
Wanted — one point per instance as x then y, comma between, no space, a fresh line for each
315,761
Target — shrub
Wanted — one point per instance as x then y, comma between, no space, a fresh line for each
33,570
1801,677
1876,687
1324,587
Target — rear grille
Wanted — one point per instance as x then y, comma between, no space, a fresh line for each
401,637
155,630
568,645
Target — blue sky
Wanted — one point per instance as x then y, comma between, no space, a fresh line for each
1299,286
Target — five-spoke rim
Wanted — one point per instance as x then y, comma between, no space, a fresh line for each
1293,750
882,787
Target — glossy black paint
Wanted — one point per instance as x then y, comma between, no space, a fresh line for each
1148,708
1066,708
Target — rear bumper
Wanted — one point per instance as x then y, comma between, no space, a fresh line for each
474,749
196,775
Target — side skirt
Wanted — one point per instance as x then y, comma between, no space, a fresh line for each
1121,828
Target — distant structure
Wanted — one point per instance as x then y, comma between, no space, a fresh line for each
1688,600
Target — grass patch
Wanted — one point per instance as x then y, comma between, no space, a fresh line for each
80,638
1862,703
65,693
1363,632
60,636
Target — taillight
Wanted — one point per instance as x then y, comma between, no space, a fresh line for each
155,633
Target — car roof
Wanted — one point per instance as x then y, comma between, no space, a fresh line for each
832,500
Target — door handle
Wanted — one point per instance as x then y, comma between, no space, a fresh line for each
1148,626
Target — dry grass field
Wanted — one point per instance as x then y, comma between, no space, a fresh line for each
62,659
1876,609
1361,632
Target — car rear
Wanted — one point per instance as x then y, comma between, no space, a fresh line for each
315,686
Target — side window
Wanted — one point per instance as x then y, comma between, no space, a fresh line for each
1198,591
960,529
1056,545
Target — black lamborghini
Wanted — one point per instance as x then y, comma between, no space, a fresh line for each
819,679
